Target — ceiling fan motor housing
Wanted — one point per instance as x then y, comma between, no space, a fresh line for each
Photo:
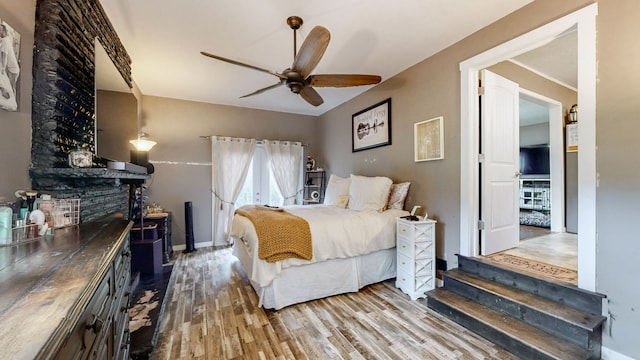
295,81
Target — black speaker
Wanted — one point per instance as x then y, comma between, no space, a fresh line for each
188,223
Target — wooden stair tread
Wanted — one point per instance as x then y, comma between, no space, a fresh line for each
570,315
484,261
543,342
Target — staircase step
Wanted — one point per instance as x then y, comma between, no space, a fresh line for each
583,329
512,334
569,295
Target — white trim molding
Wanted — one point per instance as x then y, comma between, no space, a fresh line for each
585,19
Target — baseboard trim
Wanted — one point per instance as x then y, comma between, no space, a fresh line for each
196,245
608,354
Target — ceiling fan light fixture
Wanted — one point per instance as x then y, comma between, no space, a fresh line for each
295,86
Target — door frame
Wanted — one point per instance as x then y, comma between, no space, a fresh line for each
585,20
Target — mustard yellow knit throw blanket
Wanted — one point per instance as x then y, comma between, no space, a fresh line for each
281,235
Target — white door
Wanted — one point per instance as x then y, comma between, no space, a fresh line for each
260,186
499,169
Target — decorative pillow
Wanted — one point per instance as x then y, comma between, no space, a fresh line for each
369,193
397,195
337,193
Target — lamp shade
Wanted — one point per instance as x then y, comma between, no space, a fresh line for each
142,144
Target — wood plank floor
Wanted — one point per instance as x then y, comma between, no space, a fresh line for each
212,313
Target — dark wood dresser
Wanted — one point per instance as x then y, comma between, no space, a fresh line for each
66,296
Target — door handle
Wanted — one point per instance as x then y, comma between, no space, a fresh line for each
517,174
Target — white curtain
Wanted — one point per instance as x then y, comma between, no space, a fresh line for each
285,158
230,159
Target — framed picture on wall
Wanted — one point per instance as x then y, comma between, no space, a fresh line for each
9,66
428,140
371,127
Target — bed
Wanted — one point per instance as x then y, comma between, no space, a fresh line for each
353,241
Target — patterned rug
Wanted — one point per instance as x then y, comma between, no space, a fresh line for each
145,312
536,268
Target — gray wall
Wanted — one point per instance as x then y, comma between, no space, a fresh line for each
15,127
618,194
182,158
534,134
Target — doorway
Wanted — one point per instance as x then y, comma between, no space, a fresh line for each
584,20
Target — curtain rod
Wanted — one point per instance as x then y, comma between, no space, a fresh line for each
257,141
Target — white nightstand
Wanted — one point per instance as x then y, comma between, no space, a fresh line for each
416,245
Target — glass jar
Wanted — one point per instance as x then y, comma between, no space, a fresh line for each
46,205
80,158
6,219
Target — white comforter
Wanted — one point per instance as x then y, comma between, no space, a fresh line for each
335,233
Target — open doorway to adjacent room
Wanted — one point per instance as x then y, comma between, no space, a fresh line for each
473,224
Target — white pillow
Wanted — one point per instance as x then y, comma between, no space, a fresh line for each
337,193
369,193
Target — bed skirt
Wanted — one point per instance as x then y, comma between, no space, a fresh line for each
302,283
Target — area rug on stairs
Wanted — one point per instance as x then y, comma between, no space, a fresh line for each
535,268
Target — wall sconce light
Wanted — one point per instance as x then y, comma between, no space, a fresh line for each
141,143
140,156
573,114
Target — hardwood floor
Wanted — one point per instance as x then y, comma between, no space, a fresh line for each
212,313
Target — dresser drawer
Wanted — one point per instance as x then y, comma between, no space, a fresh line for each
92,325
405,247
404,229
404,281
419,267
405,264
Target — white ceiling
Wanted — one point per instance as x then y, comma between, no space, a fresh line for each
557,61
164,39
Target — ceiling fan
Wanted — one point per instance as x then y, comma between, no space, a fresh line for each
297,78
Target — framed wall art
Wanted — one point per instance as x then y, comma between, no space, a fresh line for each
428,140
371,127
9,66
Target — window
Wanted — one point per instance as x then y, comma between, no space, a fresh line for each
260,187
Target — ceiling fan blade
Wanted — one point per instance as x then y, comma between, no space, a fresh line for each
311,96
342,80
280,76
262,90
311,51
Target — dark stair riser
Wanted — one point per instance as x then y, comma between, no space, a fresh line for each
497,337
575,334
569,295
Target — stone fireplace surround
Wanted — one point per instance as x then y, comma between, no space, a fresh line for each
63,115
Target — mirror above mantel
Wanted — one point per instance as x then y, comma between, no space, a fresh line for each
116,109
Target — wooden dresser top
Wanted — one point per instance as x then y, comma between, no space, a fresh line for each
45,283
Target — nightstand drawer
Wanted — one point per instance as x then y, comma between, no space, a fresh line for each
404,281
405,247
405,264
405,229
417,250
419,267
